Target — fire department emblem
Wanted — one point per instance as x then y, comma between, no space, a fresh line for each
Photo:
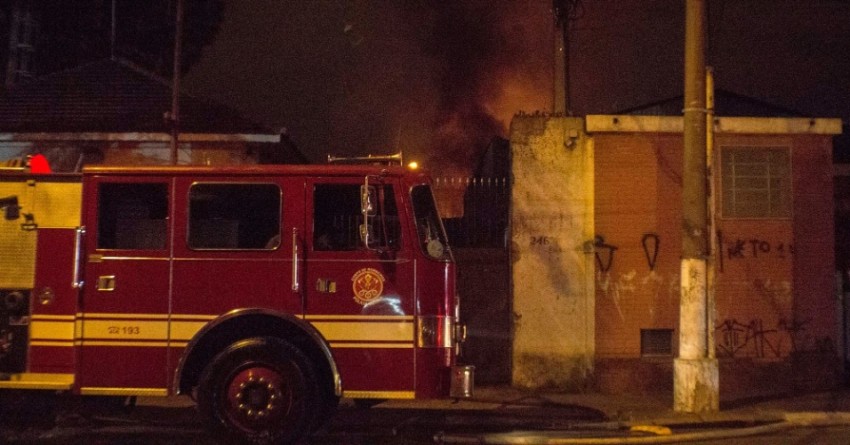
368,285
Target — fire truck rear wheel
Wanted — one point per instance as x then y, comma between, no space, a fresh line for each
260,391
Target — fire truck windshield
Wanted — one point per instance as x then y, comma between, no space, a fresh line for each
432,237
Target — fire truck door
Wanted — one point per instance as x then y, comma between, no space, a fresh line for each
124,318
359,298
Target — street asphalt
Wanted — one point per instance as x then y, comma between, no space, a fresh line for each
494,415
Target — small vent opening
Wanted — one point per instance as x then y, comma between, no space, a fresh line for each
656,342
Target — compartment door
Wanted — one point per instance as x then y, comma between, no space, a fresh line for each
123,326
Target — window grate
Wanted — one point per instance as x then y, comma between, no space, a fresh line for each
756,182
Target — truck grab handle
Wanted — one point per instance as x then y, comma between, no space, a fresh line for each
295,284
77,282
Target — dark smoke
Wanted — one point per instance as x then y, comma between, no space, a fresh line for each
465,38
436,80
476,44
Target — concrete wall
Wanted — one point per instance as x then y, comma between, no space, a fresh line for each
552,258
816,361
775,316
192,153
65,156
596,245
638,202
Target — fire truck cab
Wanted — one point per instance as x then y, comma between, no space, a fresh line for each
265,293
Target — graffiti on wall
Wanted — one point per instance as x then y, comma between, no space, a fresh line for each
620,287
651,243
604,253
753,340
754,247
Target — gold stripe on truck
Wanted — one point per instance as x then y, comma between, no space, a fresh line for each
38,381
160,330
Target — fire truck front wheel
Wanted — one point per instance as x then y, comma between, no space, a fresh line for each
259,391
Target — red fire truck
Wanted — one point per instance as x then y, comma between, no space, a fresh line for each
265,293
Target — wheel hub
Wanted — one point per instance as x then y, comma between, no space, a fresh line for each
256,395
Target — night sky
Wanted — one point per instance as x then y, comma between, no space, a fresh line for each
439,79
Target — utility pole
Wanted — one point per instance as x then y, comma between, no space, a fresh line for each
711,202
112,33
23,29
695,371
174,115
563,10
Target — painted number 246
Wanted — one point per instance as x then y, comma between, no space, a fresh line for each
540,240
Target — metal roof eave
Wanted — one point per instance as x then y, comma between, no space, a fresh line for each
139,137
603,123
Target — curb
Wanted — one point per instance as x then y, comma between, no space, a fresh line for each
662,432
818,418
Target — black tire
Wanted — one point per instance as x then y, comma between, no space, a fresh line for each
330,403
367,403
260,391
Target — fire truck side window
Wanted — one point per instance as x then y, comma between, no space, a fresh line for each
132,216
337,218
234,216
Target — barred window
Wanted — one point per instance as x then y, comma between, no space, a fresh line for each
756,182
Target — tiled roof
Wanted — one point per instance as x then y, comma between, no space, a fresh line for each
111,96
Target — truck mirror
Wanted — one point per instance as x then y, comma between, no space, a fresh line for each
368,210
367,200
367,235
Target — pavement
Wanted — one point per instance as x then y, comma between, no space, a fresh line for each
641,418
507,415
